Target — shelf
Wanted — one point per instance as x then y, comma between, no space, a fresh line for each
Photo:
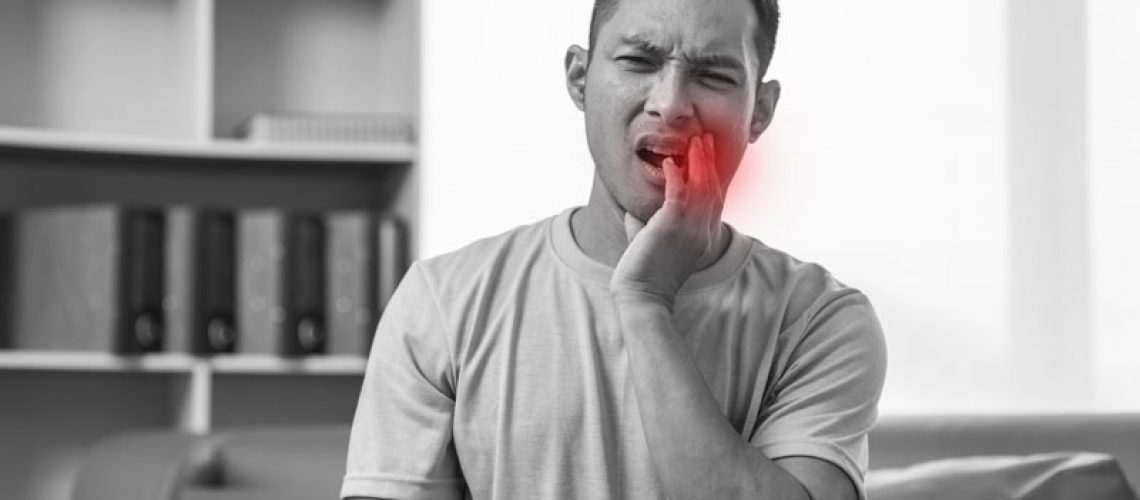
221,149
180,363
93,362
276,365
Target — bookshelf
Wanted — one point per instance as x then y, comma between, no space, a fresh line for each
139,102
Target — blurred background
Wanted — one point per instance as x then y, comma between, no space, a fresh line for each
971,166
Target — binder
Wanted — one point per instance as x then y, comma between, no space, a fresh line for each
394,256
142,273
260,250
351,267
201,281
88,278
281,283
306,327
7,291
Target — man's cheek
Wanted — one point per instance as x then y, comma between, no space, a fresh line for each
725,126
728,147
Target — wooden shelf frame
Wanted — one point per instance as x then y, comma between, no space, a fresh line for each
214,149
76,361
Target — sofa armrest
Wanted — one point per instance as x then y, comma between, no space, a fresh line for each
904,440
148,465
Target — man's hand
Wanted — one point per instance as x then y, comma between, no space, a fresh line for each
684,232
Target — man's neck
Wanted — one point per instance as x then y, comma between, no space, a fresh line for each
599,229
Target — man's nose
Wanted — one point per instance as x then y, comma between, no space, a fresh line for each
668,99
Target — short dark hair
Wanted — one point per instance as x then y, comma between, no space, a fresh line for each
767,13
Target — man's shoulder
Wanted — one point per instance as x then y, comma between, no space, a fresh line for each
782,269
801,285
815,308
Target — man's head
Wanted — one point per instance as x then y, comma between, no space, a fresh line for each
767,16
661,71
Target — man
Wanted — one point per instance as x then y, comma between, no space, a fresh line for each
636,347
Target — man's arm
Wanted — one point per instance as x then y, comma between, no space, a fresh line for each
694,448
406,404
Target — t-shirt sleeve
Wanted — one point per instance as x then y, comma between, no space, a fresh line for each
824,401
401,440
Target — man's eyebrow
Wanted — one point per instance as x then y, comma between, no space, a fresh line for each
643,44
716,61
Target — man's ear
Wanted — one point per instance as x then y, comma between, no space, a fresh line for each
766,98
577,59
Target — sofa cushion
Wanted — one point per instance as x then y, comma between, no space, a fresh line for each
144,465
246,494
306,462
1046,476
903,440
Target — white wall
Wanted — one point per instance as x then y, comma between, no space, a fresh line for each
886,166
1114,192
888,162
502,143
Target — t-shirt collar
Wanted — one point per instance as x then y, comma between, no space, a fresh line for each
561,240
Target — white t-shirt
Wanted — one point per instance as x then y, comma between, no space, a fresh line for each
498,371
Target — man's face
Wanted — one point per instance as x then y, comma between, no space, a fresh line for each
663,71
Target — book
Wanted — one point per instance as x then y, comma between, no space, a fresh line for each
201,281
336,128
281,283
87,278
353,307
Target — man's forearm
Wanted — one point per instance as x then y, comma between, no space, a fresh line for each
695,450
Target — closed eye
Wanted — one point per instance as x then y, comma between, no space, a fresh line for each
636,61
719,78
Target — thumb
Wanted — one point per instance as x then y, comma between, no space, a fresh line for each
632,226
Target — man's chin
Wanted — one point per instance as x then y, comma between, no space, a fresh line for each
643,210
641,203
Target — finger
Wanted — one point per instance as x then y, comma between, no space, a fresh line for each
674,182
632,226
714,189
697,161
710,156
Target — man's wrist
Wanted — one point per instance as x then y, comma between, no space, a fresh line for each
627,296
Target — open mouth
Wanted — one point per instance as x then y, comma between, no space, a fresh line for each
658,159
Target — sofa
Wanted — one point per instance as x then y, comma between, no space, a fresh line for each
307,462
